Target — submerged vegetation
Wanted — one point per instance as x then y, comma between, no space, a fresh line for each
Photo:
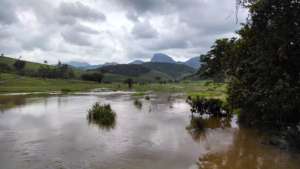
138,104
211,106
102,115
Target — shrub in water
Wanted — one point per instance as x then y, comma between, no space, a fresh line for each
102,115
138,103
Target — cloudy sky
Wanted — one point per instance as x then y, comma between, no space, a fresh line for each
98,31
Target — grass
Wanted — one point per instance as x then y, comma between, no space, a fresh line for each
11,83
101,115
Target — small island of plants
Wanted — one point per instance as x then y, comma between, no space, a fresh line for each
101,115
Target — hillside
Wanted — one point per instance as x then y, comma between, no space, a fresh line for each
176,71
139,73
30,66
193,62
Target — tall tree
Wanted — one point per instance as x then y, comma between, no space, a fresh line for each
266,82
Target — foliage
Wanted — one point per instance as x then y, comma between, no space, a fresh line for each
19,65
124,69
97,77
4,68
262,66
60,71
210,106
217,61
268,73
101,115
129,82
138,103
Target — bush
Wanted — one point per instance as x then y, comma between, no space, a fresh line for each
138,103
101,115
206,106
4,68
96,77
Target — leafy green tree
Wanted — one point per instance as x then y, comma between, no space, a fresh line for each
19,65
97,77
129,82
266,83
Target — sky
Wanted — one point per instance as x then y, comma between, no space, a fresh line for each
99,31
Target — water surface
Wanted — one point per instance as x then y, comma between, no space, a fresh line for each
53,132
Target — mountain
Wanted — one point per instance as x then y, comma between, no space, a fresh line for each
87,66
78,64
193,62
137,62
162,58
110,64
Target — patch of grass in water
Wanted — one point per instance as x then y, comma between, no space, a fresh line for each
65,90
138,104
102,115
138,94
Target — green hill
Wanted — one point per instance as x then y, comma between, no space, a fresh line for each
176,71
30,66
139,73
146,72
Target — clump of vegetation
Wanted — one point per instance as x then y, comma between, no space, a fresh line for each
129,82
101,115
147,97
96,77
210,106
65,90
139,94
62,71
138,103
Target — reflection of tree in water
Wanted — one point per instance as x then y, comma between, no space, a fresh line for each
199,124
101,125
7,102
160,102
247,152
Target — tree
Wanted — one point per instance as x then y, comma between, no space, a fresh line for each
263,65
129,82
19,65
217,62
97,77
266,83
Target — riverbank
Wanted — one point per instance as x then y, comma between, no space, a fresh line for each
10,83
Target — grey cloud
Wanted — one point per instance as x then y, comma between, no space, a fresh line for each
84,29
76,38
165,44
7,12
144,30
81,11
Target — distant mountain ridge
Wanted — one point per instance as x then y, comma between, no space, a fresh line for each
157,58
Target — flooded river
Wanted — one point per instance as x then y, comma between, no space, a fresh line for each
53,132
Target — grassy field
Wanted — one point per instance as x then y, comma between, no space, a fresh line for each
11,83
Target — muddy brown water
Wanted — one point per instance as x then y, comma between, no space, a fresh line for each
53,132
